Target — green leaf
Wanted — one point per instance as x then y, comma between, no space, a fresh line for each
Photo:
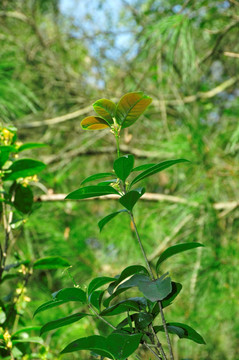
155,169
116,293
183,331
96,298
23,199
118,345
34,339
153,290
142,320
142,167
121,307
48,305
127,272
123,344
130,198
176,288
28,146
109,217
51,262
26,330
55,324
70,294
123,166
98,282
94,123
96,177
176,249
91,191
23,168
95,343
130,107
5,150
106,109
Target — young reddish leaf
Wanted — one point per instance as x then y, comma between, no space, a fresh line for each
130,107
94,123
106,109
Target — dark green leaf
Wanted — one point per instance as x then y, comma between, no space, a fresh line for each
95,343
123,166
55,324
70,294
121,307
91,191
98,282
23,199
118,345
130,270
155,169
96,177
176,249
23,168
51,262
130,107
142,320
130,198
106,109
109,217
96,298
153,290
142,167
28,146
176,288
183,331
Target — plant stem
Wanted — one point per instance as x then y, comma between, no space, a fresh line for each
159,302
141,246
158,343
152,351
166,331
101,318
117,144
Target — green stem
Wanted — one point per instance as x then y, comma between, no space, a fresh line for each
101,318
117,144
152,351
159,302
141,246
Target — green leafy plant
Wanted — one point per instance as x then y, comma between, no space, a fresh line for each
155,291
17,178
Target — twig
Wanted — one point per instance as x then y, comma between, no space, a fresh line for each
231,54
101,318
152,351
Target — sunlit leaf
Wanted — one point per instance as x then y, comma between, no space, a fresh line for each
91,191
28,146
55,324
106,109
23,168
94,123
51,262
142,167
130,198
109,217
96,177
48,305
156,169
70,294
130,107
176,249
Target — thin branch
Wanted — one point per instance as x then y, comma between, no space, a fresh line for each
231,54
